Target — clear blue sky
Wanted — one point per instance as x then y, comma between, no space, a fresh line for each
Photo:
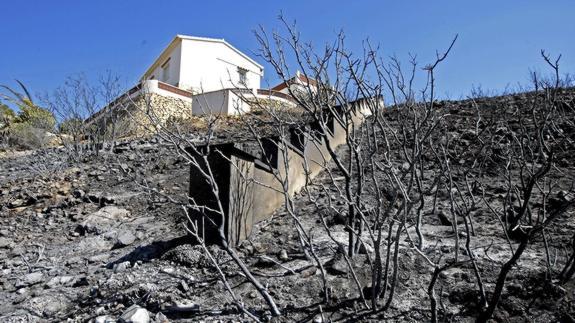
42,42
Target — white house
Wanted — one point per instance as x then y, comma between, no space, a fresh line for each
210,73
298,83
201,65
195,76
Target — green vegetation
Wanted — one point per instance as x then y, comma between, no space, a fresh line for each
71,126
7,116
31,127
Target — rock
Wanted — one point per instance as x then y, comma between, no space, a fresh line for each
78,194
564,195
337,265
513,305
168,270
16,203
365,249
125,167
60,280
405,166
100,310
5,243
308,272
104,219
125,238
30,279
184,286
185,306
122,266
283,256
161,318
445,249
104,319
93,244
99,198
99,258
443,218
135,314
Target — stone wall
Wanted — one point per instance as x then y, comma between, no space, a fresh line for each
142,114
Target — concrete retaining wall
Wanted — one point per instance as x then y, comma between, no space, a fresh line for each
246,176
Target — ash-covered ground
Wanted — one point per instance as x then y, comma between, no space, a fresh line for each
83,240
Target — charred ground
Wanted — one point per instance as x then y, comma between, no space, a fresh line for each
84,238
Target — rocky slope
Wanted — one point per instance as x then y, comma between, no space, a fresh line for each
83,240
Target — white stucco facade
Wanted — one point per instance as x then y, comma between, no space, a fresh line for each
201,65
225,102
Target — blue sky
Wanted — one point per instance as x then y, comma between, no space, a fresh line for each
43,42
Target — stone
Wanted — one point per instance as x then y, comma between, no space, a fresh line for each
444,219
125,238
337,266
5,243
104,219
365,249
185,306
99,198
99,258
161,318
125,167
168,270
184,286
308,272
123,266
104,319
283,256
405,166
78,193
30,279
16,203
60,280
100,310
135,314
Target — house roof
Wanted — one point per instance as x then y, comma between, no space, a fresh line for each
298,79
178,38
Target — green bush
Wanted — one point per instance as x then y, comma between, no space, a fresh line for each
71,126
36,117
31,127
24,135
7,116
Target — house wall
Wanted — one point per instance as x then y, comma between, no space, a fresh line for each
209,65
174,68
219,102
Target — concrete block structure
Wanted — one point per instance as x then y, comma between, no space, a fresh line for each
246,175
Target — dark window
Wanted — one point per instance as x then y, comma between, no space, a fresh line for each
243,76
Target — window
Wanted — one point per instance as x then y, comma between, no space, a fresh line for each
166,71
243,76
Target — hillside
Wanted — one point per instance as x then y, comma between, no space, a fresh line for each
86,239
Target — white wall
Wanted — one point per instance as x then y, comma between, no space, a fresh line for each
218,102
175,63
210,65
151,87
